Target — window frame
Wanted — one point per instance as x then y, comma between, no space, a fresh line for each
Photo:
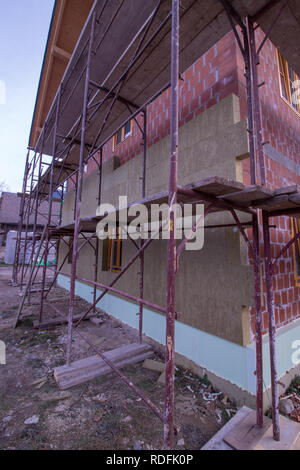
296,246
109,247
282,63
123,135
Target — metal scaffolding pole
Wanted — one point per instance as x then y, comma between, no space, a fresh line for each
171,264
272,327
79,194
258,323
142,255
35,218
256,102
96,268
50,201
29,211
20,227
256,159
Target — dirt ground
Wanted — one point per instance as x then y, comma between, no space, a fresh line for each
101,414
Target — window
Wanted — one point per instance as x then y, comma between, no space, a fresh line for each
123,134
296,250
112,254
287,82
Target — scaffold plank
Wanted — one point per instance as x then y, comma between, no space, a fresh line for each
88,369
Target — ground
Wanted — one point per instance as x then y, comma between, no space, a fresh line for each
101,414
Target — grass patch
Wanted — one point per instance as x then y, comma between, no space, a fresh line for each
131,369
295,386
100,380
31,438
35,363
204,380
146,384
47,405
39,339
226,415
6,404
27,323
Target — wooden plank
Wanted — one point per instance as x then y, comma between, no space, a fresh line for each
216,186
88,376
276,203
246,435
295,199
287,190
59,321
154,365
88,369
58,299
95,361
249,195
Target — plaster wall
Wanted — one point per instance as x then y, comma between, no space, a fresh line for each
214,285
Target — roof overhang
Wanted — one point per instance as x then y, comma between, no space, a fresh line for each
285,32
68,19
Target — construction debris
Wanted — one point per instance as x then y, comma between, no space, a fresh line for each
39,381
97,321
289,404
7,419
33,420
286,406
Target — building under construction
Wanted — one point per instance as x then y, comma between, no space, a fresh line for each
176,102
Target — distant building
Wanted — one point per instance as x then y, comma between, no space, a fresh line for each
9,215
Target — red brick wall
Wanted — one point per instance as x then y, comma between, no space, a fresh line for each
217,74
281,126
208,81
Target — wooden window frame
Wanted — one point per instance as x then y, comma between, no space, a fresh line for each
109,247
283,64
296,247
123,136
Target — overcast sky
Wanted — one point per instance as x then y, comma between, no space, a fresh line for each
24,26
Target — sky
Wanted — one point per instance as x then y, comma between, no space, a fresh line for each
24,26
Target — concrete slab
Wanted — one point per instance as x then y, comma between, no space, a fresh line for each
290,434
289,437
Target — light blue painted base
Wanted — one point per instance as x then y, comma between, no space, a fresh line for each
228,360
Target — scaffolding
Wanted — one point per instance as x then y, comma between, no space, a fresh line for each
94,102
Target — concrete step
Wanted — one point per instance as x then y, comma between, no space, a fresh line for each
241,433
289,437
